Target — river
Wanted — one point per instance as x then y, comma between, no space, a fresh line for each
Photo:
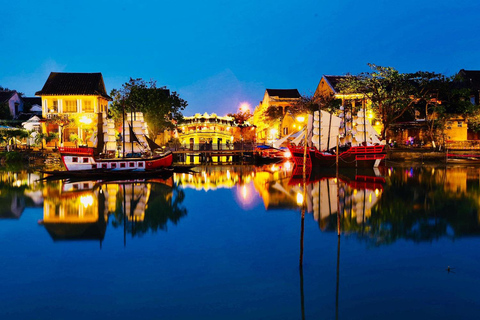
229,242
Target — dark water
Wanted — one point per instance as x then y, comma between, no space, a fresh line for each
226,243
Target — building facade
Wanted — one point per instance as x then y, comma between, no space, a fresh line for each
73,107
267,130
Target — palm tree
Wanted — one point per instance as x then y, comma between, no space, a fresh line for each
74,138
39,138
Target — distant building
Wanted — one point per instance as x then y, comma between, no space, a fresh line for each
470,79
282,99
11,104
32,105
73,104
206,132
33,125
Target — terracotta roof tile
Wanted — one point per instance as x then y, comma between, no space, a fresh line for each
64,83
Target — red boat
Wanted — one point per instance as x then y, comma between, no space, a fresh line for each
364,157
356,141
78,159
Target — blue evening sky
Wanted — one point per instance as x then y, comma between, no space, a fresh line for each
218,54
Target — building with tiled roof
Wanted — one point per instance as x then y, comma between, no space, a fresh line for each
72,106
12,104
279,98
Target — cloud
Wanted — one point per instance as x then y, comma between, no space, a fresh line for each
221,93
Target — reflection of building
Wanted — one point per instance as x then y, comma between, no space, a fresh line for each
18,191
271,182
75,211
212,178
80,210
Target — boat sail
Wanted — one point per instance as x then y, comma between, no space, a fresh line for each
358,143
108,156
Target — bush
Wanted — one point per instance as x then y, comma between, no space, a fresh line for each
12,156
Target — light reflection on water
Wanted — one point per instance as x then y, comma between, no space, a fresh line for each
226,243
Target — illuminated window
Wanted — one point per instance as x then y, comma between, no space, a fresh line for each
87,106
54,106
70,106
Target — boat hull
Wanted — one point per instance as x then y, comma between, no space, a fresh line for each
81,159
354,157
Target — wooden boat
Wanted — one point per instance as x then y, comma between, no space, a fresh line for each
80,159
140,158
356,142
363,157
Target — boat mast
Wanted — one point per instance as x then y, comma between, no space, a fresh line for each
131,127
364,121
123,127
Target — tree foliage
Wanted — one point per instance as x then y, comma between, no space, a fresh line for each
241,117
161,108
397,96
386,88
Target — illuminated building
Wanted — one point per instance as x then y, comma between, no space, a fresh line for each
268,131
206,132
73,104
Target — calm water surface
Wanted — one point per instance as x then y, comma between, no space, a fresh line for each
226,243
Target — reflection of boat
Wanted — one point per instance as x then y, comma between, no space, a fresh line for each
463,158
355,192
358,145
267,154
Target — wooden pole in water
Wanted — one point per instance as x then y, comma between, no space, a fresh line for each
304,195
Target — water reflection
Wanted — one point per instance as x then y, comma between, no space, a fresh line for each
417,203
80,210
18,191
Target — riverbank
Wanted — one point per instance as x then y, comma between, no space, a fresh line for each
415,155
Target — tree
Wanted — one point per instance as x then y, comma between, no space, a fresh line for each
40,137
241,116
388,90
161,108
310,104
5,111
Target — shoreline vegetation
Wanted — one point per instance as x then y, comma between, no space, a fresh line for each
40,158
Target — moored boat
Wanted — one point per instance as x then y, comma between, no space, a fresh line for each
79,159
356,143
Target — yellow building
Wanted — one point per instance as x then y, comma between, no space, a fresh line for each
268,131
206,132
73,104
